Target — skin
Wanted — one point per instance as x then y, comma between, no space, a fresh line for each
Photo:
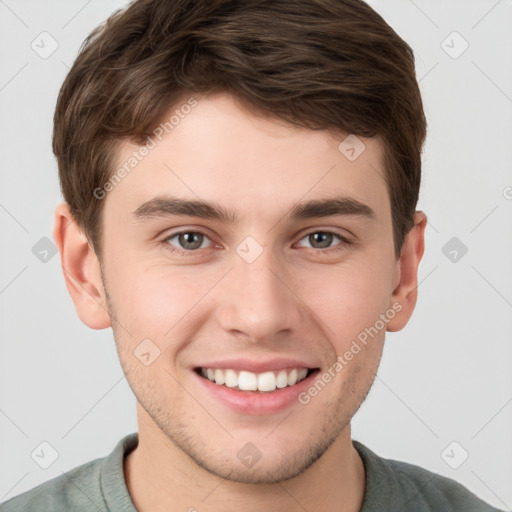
294,300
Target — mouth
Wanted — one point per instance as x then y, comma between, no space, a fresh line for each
251,382
254,386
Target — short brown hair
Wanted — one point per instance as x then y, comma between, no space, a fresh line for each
321,64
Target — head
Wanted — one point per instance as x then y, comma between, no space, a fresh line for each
202,147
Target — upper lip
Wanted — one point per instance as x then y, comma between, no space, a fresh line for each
255,366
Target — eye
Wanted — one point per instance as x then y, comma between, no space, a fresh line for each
186,243
324,239
189,241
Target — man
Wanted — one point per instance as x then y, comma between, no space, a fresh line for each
241,181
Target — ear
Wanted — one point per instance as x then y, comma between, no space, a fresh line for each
405,290
81,269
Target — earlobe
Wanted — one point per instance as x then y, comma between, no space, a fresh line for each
81,270
405,292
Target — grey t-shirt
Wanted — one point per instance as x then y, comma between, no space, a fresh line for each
391,485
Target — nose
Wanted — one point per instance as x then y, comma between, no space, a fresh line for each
258,299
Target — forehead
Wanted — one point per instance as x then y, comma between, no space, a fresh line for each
252,164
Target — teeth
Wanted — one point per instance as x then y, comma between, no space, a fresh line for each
219,377
231,379
282,379
292,377
266,381
249,381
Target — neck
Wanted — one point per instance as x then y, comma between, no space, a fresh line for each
161,477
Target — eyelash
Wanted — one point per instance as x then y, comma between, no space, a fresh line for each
183,252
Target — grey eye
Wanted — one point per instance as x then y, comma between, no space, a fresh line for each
320,239
188,240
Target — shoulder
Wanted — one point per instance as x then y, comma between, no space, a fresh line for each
97,485
77,489
392,484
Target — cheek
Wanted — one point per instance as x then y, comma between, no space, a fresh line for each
159,303
348,298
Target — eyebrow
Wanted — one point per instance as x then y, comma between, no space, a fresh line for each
165,206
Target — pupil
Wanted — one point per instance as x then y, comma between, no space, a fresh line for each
324,239
191,240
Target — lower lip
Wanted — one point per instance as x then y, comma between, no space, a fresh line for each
256,402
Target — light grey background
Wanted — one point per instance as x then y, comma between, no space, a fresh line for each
446,377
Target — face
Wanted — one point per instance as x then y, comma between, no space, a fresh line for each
265,293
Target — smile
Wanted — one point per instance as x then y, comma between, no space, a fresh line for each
248,381
253,386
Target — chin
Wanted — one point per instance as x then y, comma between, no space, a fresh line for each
250,465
